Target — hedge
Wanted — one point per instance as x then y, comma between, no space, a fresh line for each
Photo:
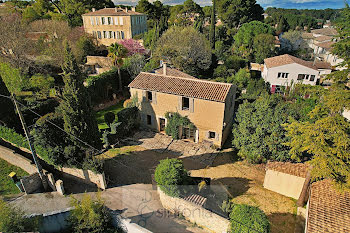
169,175
10,135
246,219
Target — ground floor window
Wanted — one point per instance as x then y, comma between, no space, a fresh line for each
212,134
149,120
188,133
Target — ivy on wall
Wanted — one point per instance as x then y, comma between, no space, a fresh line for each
175,120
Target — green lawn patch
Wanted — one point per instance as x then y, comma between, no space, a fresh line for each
99,116
7,187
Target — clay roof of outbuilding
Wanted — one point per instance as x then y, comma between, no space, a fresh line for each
295,169
329,209
195,88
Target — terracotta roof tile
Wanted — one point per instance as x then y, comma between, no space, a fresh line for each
329,210
194,88
174,72
112,12
285,60
323,38
325,31
295,169
326,45
307,35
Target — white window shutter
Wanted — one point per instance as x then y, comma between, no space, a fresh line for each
217,136
116,20
144,96
154,97
121,20
180,102
192,105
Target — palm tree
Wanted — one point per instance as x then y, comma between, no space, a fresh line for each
117,52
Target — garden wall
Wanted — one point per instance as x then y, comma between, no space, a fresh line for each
283,183
86,176
18,160
195,213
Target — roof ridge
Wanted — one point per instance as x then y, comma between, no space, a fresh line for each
196,79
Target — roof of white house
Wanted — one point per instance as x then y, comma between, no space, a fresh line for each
287,59
326,45
323,38
189,87
112,12
329,209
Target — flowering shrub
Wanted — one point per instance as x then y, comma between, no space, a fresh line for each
133,47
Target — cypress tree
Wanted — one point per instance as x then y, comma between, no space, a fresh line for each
75,107
212,27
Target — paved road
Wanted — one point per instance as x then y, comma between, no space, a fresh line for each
137,202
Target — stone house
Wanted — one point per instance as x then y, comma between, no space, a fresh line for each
208,105
110,25
96,65
286,70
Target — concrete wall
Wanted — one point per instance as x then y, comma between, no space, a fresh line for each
85,176
127,27
271,74
285,184
195,214
206,115
32,183
16,159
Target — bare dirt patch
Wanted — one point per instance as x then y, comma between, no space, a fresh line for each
244,184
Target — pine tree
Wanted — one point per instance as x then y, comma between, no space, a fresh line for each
75,108
212,26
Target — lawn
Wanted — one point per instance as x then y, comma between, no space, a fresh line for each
99,116
7,187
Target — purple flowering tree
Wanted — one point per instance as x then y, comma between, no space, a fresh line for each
133,47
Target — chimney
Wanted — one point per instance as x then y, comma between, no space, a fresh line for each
93,9
164,68
116,9
126,9
133,9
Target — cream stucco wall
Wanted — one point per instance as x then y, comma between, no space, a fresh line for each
270,74
131,26
285,184
206,116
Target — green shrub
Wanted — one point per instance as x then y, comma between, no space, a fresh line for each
175,120
245,218
12,136
169,175
129,118
91,215
12,220
109,117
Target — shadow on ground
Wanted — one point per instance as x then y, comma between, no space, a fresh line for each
286,223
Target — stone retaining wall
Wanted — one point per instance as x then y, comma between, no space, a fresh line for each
86,176
195,213
18,160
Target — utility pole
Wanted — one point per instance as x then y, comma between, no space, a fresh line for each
31,146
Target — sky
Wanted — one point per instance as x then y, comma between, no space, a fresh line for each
298,4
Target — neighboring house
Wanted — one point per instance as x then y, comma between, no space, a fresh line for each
323,50
110,25
327,210
208,105
265,15
96,65
286,70
324,32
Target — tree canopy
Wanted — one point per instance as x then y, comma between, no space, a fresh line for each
186,49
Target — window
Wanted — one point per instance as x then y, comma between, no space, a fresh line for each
103,20
104,34
212,134
279,89
118,35
97,23
282,75
300,77
312,77
122,35
92,20
188,133
185,103
306,76
149,96
113,35
149,120
99,35
110,21
110,34
116,20
121,20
